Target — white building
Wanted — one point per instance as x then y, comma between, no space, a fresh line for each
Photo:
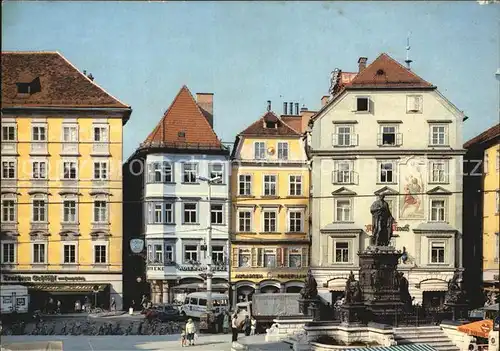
385,130
177,213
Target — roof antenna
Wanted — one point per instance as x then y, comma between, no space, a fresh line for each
408,47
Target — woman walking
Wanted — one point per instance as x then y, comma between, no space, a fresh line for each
190,331
225,323
234,327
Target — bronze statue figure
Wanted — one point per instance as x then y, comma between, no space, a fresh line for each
382,222
310,289
352,290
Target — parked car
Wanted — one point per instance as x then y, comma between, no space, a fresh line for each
163,313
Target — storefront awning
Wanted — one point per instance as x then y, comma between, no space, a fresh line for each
479,328
68,288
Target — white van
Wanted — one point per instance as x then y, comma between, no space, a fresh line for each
14,298
195,304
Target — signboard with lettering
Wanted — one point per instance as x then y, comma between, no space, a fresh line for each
395,228
249,276
45,278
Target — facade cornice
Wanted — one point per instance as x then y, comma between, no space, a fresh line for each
386,153
252,241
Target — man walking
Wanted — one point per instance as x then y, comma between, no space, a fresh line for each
234,327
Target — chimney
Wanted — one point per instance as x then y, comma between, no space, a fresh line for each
268,105
362,63
324,100
303,108
290,108
284,108
296,109
306,116
206,102
90,76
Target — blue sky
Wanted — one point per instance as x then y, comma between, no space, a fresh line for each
250,52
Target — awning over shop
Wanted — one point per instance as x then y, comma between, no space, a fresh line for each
195,286
409,347
479,328
68,288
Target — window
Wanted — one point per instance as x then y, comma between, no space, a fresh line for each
414,103
341,252
169,213
158,253
167,172
282,151
39,211
271,125
39,170
216,214
269,258
438,135
270,221
158,211
69,170
38,253
39,133
438,172
245,184
169,253
362,104
190,213
344,136
437,252
217,170
245,221
8,133
388,136
269,185
69,211
8,211
190,254
100,170
295,185
343,210
387,172
295,221
100,211
259,150
343,172
69,253
8,170
100,254
190,172
244,258
438,213
294,258
101,134
8,253
218,255
70,134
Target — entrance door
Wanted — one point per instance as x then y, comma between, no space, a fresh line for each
433,299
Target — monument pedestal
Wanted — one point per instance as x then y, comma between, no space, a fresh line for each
353,314
379,280
459,311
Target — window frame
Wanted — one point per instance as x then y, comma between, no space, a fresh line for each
250,219
39,169
245,183
350,135
100,170
70,169
195,251
394,173
283,148
276,213
396,133
416,98
368,104
33,255
169,255
221,212
244,252
445,134
271,252
64,219
443,248
100,127
289,220
295,184
262,152
444,171
189,173
196,209
12,217
11,168
444,209
6,133
337,171
63,253
106,253
69,127
295,251
39,128
14,252
216,173
39,210
343,251
264,183
95,209
336,207
218,253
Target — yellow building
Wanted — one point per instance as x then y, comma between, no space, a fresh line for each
61,182
486,146
270,204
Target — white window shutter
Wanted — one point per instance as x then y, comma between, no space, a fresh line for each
370,105
418,103
409,103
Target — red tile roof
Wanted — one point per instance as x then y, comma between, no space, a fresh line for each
258,128
385,72
61,83
293,121
183,125
484,137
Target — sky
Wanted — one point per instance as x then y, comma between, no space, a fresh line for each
249,52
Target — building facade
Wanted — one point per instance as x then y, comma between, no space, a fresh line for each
178,204
482,190
384,130
270,206
61,181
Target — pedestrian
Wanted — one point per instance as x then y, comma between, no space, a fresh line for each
58,306
253,326
183,338
225,323
234,327
190,331
247,325
113,304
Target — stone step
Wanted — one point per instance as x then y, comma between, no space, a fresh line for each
425,327
419,335
424,341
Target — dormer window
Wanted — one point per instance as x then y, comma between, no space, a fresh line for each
28,85
271,125
23,88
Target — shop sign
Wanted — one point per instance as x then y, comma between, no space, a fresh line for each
156,268
395,228
249,276
136,245
47,278
292,276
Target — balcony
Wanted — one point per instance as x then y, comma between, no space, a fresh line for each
389,139
69,149
100,149
344,177
345,140
9,148
39,148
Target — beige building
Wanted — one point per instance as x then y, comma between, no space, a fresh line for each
384,130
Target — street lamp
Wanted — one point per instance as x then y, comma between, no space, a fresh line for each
209,273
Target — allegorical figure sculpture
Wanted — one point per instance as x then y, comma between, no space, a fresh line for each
382,222
310,289
455,294
352,290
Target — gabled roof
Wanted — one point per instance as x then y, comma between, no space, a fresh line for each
295,122
61,84
483,138
258,128
183,125
385,72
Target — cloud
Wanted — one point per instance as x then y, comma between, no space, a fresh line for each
487,2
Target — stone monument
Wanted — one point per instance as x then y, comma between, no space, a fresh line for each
455,298
353,309
308,302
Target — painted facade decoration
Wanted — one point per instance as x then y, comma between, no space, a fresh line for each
412,181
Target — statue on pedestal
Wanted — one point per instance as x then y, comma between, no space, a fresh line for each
455,294
310,289
352,291
382,222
